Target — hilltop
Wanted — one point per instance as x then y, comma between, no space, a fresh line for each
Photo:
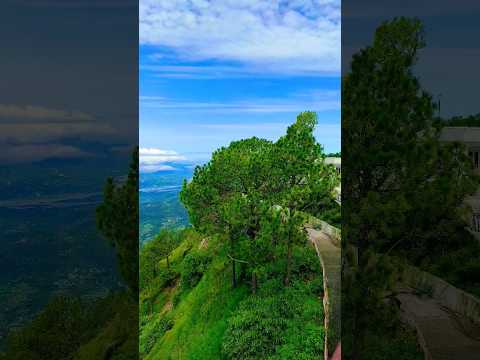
244,281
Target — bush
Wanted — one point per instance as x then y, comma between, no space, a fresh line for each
278,323
69,327
305,343
176,298
306,263
193,266
154,332
255,329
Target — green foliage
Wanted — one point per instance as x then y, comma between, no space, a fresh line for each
459,267
154,330
280,321
117,220
200,318
245,182
118,338
402,188
193,267
469,121
153,251
58,329
331,214
194,326
251,202
337,154
276,324
70,328
403,346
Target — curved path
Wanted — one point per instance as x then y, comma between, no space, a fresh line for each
443,334
330,258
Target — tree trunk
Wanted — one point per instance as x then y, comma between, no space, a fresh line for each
254,282
234,277
168,262
274,245
289,265
242,275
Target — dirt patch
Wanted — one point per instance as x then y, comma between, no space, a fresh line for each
203,244
170,293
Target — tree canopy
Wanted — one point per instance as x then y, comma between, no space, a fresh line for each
117,220
402,188
240,190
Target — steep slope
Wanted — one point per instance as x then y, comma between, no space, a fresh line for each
196,314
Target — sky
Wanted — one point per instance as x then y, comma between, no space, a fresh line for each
221,70
60,90
448,66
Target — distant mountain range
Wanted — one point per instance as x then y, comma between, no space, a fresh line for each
160,205
50,243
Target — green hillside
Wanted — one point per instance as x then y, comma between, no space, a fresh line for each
191,311
75,327
244,282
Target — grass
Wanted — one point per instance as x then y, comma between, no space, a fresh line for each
277,323
200,318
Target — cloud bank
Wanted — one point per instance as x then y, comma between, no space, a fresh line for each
154,159
34,133
297,36
316,100
29,112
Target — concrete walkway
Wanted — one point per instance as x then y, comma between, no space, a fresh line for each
330,258
442,334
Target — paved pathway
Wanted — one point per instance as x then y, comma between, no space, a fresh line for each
330,257
443,335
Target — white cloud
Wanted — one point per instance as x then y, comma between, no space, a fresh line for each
15,112
298,36
41,133
154,159
34,133
316,100
152,152
155,168
35,124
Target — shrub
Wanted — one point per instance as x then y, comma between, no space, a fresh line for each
193,266
254,330
278,323
154,332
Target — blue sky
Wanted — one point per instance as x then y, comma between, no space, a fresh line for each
220,70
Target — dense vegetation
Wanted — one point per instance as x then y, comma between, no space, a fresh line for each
337,154
468,121
403,188
190,307
244,282
74,328
255,193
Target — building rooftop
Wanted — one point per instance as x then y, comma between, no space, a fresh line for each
462,134
333,160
